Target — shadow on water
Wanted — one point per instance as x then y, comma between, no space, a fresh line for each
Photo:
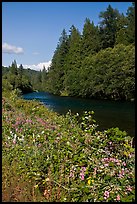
107,113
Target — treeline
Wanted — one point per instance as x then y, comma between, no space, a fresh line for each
98,63
26,80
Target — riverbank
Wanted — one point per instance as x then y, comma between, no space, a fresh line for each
49,157
107,113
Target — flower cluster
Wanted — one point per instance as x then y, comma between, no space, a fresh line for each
82,172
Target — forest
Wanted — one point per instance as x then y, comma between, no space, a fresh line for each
97,63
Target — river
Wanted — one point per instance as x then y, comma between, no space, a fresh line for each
107,113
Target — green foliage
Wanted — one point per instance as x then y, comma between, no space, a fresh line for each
57,69
109,74
131,23
15,78
100,63
108,27
6,85
47,157
13,68
90,39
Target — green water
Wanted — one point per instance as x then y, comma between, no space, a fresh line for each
107,113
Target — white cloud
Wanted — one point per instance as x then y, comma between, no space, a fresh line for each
11,49
38,67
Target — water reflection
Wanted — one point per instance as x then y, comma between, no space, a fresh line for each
107,113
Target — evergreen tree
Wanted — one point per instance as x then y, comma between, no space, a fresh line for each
121,34
44,78
90,38
57,68
13,68
131,23
108,27
73,62
20,70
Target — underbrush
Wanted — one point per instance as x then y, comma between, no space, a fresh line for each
48,157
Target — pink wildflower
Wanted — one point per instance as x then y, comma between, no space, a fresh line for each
82,177
82,172
118,197
124,164
129,188
39,145
106,195
14,141
83,168
105,164
122,172
130,155
72,175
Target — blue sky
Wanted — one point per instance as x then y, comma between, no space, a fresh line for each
31,30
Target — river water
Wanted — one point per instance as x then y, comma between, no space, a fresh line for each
107,113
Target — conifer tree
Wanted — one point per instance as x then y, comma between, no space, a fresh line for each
90,38
108,27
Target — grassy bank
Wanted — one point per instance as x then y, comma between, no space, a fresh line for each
48,157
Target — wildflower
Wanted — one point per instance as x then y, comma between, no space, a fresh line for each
122,172
129,188
95,172
14,141
71,174
106,195
105,164
130,155
89,182
47,179
82,177
124,164
28,121
82,172
68,143
118,197
83,168
39,145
